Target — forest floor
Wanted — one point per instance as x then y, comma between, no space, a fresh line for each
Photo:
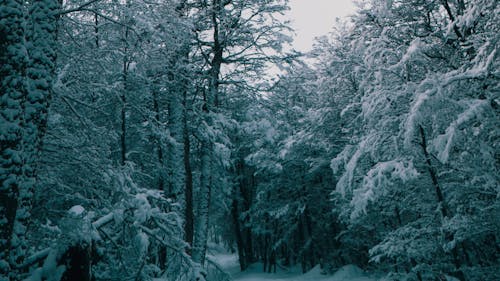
229,262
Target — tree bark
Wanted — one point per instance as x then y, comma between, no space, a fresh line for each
13,61
201,233
242,200
96,30
40,75
123,99
175,148
432,172
237,231
188,188
26,77
78,262
439,196
159,142
452,19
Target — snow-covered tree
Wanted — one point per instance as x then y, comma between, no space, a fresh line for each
13,62
233,36
28,67
420,87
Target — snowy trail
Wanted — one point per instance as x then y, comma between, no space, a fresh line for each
229,262
347,273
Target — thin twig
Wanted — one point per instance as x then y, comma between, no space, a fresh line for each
77,9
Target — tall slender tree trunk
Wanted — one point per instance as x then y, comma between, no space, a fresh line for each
201,231
239,236
159,142
162,250
440,199
175,172
242,202
123,128
202,218
188,185
432,172
235,214
125,90
96,30
123,110
175,148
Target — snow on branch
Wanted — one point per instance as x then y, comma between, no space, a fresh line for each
377,179
480,69
414,49
345,181
443,143
103,220
415,115
433,88
42,254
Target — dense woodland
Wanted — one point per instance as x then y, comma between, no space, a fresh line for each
134,133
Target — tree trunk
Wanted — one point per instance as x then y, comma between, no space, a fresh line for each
159,142
123,99
247,186
237,233
78,262
265,252
432,172
12,89
201,233
242,201
439,196
96,30
40,74
26,87
175,148
188,188
452,19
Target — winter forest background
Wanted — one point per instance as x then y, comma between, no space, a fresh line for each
135,133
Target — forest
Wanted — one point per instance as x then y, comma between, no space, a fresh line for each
137,134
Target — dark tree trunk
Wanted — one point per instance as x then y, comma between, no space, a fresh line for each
242,201
265,252
162,257
189,214
78,262
432,173
440,197
272,261
123,112
96,30
159,148
238,235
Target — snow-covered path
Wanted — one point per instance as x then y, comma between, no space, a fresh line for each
229,262
347,273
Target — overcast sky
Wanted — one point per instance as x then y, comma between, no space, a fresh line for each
312,18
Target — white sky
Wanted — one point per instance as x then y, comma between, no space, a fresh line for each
313,18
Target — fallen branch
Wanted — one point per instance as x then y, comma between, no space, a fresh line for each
103,221
36,257
219,269
42,254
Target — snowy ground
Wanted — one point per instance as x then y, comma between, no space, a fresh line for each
346,273
254,273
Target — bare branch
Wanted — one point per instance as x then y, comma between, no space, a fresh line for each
77,9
